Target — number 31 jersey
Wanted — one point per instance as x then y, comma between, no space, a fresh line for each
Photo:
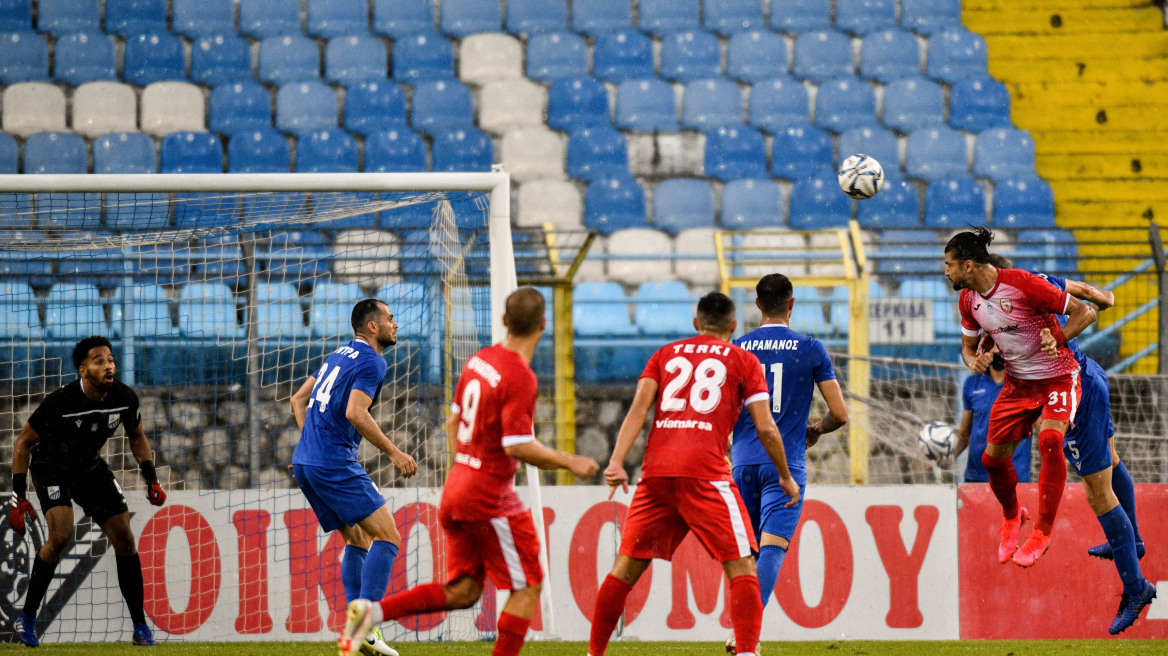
328,438
702,384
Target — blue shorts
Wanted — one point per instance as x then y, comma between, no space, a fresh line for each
1087,444
765,500
339,496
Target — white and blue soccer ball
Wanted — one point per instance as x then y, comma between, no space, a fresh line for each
937,439
861,176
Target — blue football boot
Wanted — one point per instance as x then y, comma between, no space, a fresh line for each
1103,551
143,637
25,626
1130,609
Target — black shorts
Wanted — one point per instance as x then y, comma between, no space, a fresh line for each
96,491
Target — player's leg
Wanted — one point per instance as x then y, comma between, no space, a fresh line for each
1011,416
776,527
353,560
515,620
384,542
1125,492
60,531
611,598
745,604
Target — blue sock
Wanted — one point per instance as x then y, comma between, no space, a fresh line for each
770,560
378,565
1125,491
1119,534
351,565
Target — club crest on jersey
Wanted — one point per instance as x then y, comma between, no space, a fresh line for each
54,492
78,422
114,420
1007,306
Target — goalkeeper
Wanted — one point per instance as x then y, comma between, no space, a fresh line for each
63,440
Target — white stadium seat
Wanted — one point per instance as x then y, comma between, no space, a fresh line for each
31,107
382,266
510,104
550,201
654,245
103,107
534,153
172,107
696,241
486,58
783,242
592,268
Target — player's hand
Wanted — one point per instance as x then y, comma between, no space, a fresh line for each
583,467
981,362
814,432
20,511
945,462
791,488
155,494
615,475
1049,343
404,463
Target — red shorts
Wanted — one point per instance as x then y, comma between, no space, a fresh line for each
664,510
1022,402
505,549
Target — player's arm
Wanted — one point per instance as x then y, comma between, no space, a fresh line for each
452,430
22,450
772,442
357,412
837,411
300,399
1079,316
1091,294
615,473
973,357
963,432
140,447
21,454
533,452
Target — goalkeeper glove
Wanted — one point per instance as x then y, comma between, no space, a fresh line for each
21,509
154,492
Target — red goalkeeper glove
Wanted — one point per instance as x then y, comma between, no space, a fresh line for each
21,509
154,492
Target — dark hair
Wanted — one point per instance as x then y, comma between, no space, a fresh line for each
972,244
1000,261
364,312
774,293
524,309
715,311
81,351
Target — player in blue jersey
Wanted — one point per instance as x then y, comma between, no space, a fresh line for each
977,397
332,410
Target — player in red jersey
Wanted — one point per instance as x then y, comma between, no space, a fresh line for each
1016,309
699,385
488,531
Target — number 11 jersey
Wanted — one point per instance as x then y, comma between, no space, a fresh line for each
328,437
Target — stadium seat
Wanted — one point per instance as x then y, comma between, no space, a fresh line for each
620,56
817,203
265,18
688,56
913,103
614,203
129,17
556,55
600,309
533,17
124,152
191,152
711,103
84,57
532,153
101,107
799,16
288,58
155,57
550,201
638,255
220,59
240,106
354,58
865,16
9,155
396,150
512,104
150,313
907,252
954,203
597,151
733,153
326,151
15,15
979,104
74,311
207,311
54,152
31,107
1003,153
896,206
957,54
172,107
577,103
331,306
821,56
1023,203
752,205
260,150
756,56
398,19
845,103
57,16
485,58
1049,251
801,152
699,267
24,56
874,142
778,104
423,56
661,17
646,106
729,16
663,309
18,317
196,18
682,203
935,153
930,16
889,55
595,17
466,149
462,18
278,311
305,106
374,106
329,19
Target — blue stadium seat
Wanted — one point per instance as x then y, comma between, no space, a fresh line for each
220,259
594,17
243,105
61,16
398,19
930,16
191,152
620,56
461,18
1049,251
614,203
278,311
896,206
326,151
258,151
9,154
265,18
682,203
901,252
756,56
663,308
661,17
1003,153
396,150
817,203
304,106
129,17
799,16
801,152
15,15
711,103
149,210
556,55
441,105
913,103
153,57
729,16
865,16
1023,203
874,142
84,57
202,210
945,319
220,59
979,104
646,105
752,205
24,56
889,55
821,56
597,151
465,149
576,103
957,54
687,56
288,58
124,152
18,312
100,267
778,104
196,18
600,309
733,153
332,303
537,16
935,153
845,103
954,203
373,106
423,56
150,314
355,58
333,18
74,311
207,311
54,152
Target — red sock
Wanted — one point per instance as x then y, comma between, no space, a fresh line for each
746,612
512,632
1004,483
426,598
610,603
1051,478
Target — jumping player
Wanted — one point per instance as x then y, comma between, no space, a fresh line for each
699,385
332,411
63,440
488,531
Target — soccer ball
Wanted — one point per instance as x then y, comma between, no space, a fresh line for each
937,439
861,176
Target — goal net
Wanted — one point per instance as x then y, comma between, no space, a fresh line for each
221,294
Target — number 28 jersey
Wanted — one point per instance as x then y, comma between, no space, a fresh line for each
702,385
